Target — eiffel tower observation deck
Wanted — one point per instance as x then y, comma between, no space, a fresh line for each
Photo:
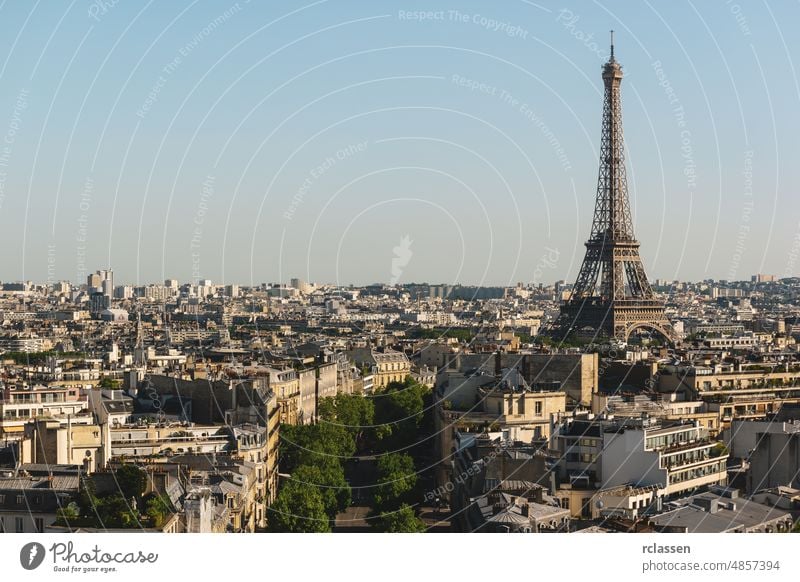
612,296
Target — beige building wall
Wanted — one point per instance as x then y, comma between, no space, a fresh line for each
528,413
51,442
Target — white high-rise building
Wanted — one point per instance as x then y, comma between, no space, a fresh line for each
123,292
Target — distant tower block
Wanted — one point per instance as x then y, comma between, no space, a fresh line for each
612,296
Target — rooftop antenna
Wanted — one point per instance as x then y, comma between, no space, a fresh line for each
612,46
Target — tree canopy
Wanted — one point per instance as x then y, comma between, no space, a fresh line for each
401,520
396,480
350,411
310,444
316,489
299,508
399,413
328,479
131,480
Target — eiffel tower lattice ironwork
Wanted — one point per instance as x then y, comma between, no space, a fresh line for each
612,296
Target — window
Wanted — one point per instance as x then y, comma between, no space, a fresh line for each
2,524
538,408
2,499
19,524
20,499
39,522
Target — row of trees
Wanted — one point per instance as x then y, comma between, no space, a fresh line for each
395,492
387,423
37,358
401,429
314,457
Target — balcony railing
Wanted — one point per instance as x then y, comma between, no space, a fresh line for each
685,446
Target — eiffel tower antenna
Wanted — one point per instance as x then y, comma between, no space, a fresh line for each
612,47
612,295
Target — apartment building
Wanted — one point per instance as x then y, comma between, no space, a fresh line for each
522,414
29,503
589,453
678,456
775,461
706,380
286,385
20,404
65,441
508,407
384,366
575,373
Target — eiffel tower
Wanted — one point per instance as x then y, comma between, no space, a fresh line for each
612,296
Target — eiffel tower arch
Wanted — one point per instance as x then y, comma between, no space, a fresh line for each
612,296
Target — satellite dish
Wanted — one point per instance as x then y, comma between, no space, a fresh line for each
599,504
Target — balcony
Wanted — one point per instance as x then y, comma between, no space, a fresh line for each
686,446
679,464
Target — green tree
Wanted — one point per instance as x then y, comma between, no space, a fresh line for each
402,520
399,413
311,444
87,497
355,412
115,511
107,382
298,509
328,479
158,509
395,483
28,358
68,514
352,412
327,409
131,480
719,449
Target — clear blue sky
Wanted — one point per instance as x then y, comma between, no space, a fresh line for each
252,141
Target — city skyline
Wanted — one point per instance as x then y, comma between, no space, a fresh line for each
231,143
563,283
